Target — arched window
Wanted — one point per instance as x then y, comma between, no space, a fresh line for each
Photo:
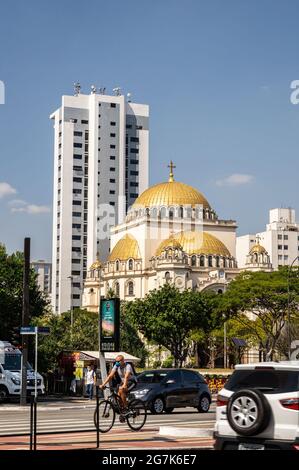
171,212
217,262
116,288
202,261
131,288
181,212
224,262
193,260
130,264
117,265
167,276
210,261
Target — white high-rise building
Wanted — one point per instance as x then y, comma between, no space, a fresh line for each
101,152
43,270
280,239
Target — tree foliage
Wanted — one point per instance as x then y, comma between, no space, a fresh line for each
11,293
259,302
168,317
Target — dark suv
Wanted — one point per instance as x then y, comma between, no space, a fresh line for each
166,389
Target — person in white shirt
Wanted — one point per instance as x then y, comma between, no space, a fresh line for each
89,381
127,377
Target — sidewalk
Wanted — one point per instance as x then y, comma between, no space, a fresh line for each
115,440
52,403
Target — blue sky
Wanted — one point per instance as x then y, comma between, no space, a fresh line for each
215,73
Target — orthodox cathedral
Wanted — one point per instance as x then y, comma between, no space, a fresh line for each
171,234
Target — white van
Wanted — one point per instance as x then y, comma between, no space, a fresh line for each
10,373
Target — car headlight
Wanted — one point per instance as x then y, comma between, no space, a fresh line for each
16,381
141,393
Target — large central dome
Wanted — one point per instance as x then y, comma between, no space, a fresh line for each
171,193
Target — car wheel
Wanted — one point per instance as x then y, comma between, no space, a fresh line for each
157,406
248,412
204,404
3,394
169,410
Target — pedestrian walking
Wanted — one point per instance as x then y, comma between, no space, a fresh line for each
89,381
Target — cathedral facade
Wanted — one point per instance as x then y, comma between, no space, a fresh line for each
171,234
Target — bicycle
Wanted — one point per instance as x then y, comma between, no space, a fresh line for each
135,414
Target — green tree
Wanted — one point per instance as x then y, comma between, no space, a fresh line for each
168,317
259,302
11,293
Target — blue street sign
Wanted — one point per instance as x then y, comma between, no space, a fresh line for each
43,330
28,330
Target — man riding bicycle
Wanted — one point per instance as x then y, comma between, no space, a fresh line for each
126,375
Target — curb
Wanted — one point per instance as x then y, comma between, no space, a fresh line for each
45,408
185,432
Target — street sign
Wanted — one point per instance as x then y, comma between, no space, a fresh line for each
109,325
28,330
32,330
43,330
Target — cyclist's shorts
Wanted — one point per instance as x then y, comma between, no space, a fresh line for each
131,384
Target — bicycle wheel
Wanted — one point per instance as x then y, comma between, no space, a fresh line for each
137,414
106,416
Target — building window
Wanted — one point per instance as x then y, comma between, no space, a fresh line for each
77,203
285,237
77,214
134,173
76,261
76,249
84,121
134,139
117,265
76,225
111,191
210,261
202,261
130,288
76,296
134,162
217,261
129,126
112,134
134,151
77,191
279,237
116,286
77,156
113,105
78,134
112,180
112,157
112,146
77,145
112,168
279,247
286,247
134,184
112,123
130,264
77,168
193,260
112,203
76,237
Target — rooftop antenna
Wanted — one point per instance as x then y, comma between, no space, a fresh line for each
93,89
129,97
77,88
102,90
117,91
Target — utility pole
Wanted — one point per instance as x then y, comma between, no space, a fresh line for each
289,312
25,319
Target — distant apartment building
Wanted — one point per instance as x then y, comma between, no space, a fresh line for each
101,152
43,270
280,239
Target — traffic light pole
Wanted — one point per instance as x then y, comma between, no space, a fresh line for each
25,319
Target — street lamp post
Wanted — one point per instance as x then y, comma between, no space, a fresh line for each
71,307
289,313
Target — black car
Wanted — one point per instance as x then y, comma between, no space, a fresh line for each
166,389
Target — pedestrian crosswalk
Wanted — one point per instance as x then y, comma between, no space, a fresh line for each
22,426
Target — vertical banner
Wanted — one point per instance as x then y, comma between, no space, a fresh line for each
110,325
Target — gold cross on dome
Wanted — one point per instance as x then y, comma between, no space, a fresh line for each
171,166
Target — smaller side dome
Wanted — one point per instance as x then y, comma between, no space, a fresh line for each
127,247
257,249
97,264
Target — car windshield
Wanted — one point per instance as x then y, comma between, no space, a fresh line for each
152,377
12,362
268,381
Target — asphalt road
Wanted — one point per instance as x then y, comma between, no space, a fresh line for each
61,417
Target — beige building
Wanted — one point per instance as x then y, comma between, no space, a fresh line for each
170,234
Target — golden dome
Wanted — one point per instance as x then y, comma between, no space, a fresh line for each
127,247
97,264
257,249
201,243
171,242
170,193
